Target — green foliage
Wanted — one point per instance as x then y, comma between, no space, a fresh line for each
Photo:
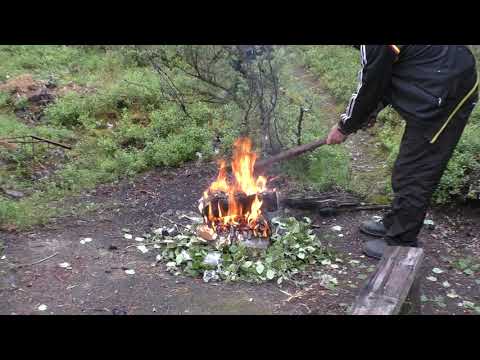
176,149
294,249
4,99
71,110
337,65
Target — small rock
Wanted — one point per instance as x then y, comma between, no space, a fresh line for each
437,271
429,224
143,249
158,231
336,228
139,238
210,275
128,236
65,265
42,307
14,194
452,294
213,259
85,240
130,272
172,232
432,278
446,284
3,257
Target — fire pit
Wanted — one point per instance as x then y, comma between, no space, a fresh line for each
235,209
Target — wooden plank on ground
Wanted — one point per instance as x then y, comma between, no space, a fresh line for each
388,287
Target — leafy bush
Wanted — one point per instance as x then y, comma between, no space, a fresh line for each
176,149
71,110
4,99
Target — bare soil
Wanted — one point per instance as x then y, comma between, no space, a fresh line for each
97,283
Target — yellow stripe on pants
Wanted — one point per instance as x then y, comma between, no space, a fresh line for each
454,112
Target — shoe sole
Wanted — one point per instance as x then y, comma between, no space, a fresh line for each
371,255
371,233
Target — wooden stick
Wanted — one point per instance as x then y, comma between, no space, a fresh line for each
289,154
37,262
51,142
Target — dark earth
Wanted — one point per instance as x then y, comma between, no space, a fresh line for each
97,283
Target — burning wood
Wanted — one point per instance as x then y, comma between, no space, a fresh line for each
234,209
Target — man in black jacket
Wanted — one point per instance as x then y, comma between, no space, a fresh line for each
434,88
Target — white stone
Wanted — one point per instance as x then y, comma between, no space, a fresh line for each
142,248
85,240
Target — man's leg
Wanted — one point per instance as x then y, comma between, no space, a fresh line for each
417,172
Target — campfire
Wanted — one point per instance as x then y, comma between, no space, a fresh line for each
233,207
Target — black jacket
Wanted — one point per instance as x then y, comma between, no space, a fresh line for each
423,83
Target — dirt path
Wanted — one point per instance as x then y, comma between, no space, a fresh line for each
97,282
368,171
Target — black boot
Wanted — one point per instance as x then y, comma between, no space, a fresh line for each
373,228
375,248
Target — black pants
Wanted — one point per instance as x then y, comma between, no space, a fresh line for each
417,172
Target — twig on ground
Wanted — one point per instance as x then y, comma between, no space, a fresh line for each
139,244
178,224
37,262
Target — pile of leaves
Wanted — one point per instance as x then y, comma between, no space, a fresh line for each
294,248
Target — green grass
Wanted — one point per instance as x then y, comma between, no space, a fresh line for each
327,167
117,130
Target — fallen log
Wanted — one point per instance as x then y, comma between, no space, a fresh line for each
326,204
395,279
270,202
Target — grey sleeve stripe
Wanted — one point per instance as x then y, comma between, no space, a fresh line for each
351,104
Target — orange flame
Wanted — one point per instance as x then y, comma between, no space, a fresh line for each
243,164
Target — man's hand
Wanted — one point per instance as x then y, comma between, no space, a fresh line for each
335,136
